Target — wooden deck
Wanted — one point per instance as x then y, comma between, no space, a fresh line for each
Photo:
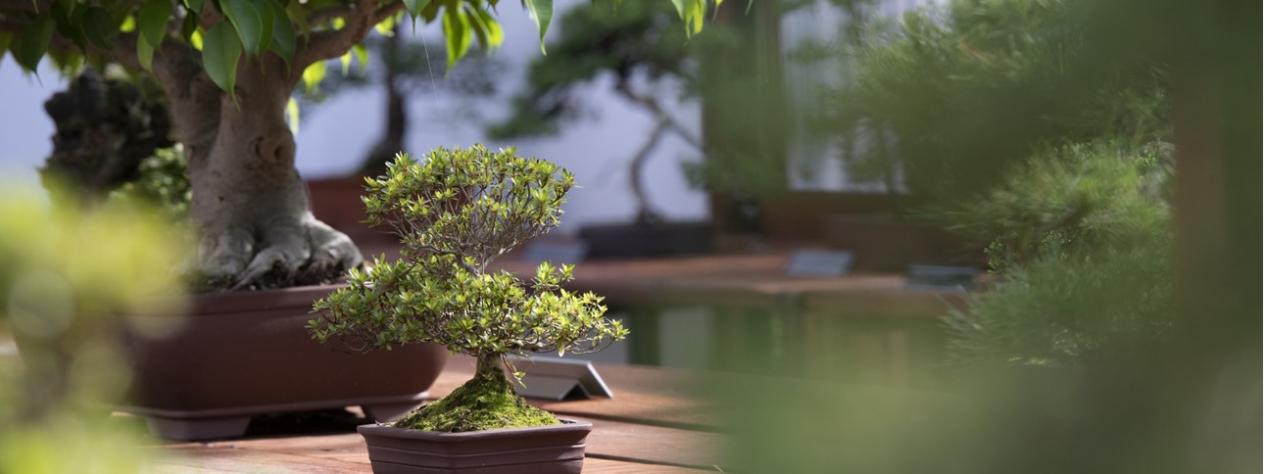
653,425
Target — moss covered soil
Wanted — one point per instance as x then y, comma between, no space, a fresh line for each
485,402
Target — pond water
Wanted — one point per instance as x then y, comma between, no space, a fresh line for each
884,351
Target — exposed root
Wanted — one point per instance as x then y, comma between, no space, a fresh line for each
307,254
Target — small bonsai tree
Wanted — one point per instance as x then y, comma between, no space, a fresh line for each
455,213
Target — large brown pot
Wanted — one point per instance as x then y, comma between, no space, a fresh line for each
557,449
240,354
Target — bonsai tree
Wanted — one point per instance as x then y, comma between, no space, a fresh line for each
455,213
228,68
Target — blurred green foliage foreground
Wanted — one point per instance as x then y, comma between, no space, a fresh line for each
1108,154
69,282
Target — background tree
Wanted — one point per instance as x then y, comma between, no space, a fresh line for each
227,68
951,96
640,46
405,68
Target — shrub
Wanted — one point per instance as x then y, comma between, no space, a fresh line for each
1070,198
455,213
1082,246
959,91
160,183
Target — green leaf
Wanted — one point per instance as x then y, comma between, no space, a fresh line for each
221,48
145,53
188,27
490,35
69,19
362,56
312,77
430,12
99,27
541,12
284,40
68,60
266,16
152,19
693,12
129,24
29,46
414,6
248,21
292,115
298,15
456,30
194,5
6,39
386,27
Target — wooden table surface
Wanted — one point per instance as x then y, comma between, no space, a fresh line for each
654,424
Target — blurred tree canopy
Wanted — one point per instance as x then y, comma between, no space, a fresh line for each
639,46
953,95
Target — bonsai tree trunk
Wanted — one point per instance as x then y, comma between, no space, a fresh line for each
663,122
645,214
249,205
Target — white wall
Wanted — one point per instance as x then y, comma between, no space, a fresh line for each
334,136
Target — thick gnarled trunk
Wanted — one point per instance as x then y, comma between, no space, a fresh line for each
249,205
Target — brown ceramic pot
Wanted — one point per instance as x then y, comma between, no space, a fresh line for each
557,449
240,354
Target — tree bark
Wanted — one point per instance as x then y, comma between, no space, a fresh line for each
663,122
249,205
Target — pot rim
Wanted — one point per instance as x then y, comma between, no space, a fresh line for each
566,425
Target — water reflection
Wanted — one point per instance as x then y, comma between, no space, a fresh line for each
882,350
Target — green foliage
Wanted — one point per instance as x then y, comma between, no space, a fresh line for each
954,95
220,51
487,401
1083,247
161,184
1070,309
455,213
225,29
625,40
67,279
1072,198
117,260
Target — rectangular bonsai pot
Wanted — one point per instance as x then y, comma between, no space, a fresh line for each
246,353
556,449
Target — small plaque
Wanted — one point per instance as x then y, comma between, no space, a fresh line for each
555,378
819,263
941,277
556,251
